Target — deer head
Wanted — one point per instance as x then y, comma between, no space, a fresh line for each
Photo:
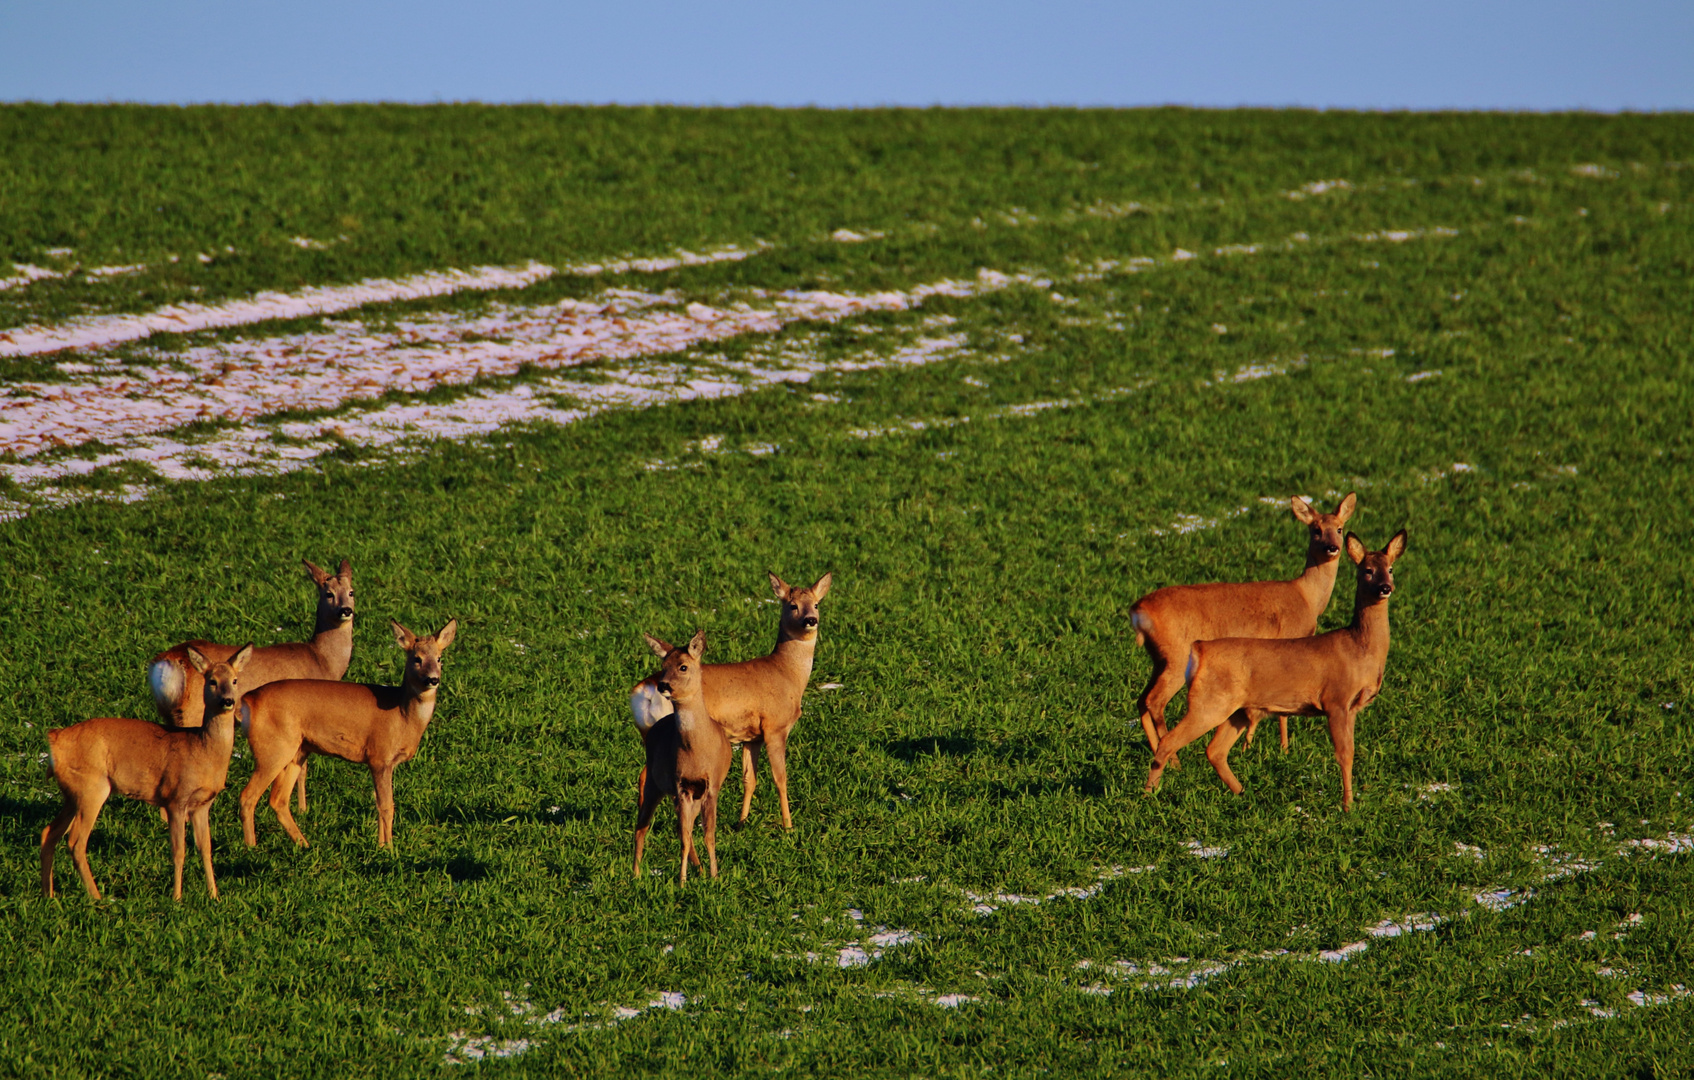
1376,568
335,593
679,677
800,606
423,654
221,691
1326,530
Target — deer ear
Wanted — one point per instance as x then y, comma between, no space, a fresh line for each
697,644
402,636
821,589
315,572
1302,509
1396,547
1345,510
1355,548
240,659
444,636
660,648
778,586
198,659
346,570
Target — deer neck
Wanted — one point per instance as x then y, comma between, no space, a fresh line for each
795,653
691,716
419,706
333,643
1317,581
218,731
1370,626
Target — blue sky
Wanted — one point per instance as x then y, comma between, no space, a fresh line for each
1422,54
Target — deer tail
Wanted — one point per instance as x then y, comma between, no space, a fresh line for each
1143,626
167,680
1193,668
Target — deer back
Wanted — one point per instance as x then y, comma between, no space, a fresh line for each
752,696
1176,615
355,721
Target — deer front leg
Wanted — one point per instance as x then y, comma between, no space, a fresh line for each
644,819
711,823
1341,734
203,840
776,749
749,777
1282,729
1217,751
687,809
383,776
179,848
300,786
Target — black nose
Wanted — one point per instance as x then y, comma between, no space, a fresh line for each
229,703
811,622
435,680
664,687
1331,549
1384,590
346,613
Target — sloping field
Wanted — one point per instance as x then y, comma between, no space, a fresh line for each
571,375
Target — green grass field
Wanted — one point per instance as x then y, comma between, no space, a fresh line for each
1484,332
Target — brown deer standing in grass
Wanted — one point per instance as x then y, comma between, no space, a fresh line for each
175,683
1332,675
376,726
757,702
179,771
688,754
1169,621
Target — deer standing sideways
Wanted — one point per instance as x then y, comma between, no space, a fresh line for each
1332,675
174,682
180,771
688,755
376,726
1169,621
757,702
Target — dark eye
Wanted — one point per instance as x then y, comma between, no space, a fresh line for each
683,668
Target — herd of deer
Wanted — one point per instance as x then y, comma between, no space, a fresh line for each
1249,650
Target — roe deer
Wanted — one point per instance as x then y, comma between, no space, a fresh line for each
688,755
173,681
376,726
179,771
755,701
1170,620
1333,675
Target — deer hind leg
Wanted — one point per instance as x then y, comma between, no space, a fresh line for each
1282,729
300,786
282,787
1341,734
88,812
749,777
1166,681
203,841
1217,751
50,840
1200,718
179,848
384,780
268,766
650,800
776,749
